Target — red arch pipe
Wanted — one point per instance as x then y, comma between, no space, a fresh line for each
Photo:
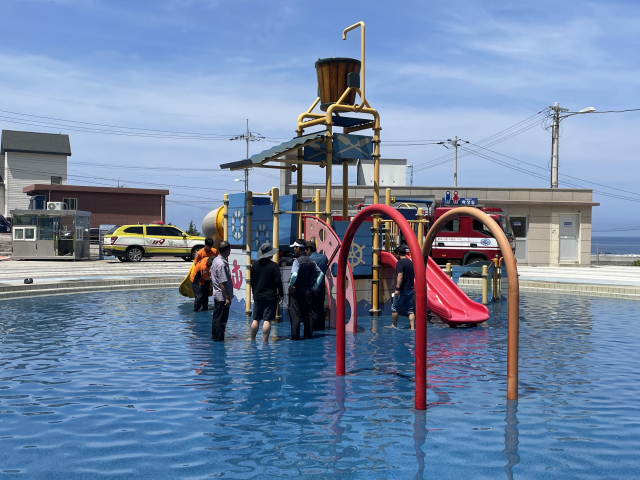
420,287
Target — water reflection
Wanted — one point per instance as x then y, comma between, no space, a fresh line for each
511,441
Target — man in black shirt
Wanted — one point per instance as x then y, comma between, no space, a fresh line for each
306,276
266,285
403,295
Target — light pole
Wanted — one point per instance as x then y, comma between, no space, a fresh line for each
555,137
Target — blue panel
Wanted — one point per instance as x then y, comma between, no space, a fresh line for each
345,147
237,210
361,253
261,200
261,227
288,225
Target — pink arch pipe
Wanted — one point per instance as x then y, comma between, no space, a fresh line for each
420,287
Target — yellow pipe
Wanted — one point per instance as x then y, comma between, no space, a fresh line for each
344,37
299,186
275,199
448,270
329,158
345,190
248,247
225,236
375,309
419,216
316,200
387,233
485,280
495,280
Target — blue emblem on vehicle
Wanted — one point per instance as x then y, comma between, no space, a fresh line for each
485,242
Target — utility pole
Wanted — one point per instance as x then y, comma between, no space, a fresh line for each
555,143
248,137
411,175
454,143
455,163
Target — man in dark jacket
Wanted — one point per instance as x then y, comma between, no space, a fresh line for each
305,278
321,260
266,285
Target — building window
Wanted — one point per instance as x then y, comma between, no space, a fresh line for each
71,203
56,180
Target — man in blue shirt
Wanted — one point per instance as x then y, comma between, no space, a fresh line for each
320,259
305,278
403,295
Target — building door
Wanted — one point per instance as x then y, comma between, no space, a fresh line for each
569,232
520,227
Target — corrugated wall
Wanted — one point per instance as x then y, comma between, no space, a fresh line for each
24,169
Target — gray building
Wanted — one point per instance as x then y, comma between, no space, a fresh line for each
552,226
30,158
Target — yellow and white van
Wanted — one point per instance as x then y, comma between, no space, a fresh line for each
131,243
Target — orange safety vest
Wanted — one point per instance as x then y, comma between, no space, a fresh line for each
203,269
202,253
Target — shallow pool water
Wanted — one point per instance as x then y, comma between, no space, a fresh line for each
129,385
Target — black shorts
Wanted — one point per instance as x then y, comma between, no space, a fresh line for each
265,310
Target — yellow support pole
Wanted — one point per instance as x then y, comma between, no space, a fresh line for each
420,216
387,226
329,162
495,280
485,281
317,202
225,215
448,270
375,287
299,186
345,190
248,248
275,200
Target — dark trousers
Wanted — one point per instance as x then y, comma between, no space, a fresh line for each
219,322
200,295
317,316
301,310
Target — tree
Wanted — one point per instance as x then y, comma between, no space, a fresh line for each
192,230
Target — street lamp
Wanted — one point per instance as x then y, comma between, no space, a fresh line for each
555,137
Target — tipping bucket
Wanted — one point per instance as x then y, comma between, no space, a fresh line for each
332,79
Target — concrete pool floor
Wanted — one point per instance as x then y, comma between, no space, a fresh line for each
51,278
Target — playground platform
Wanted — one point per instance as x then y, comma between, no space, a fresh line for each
54,278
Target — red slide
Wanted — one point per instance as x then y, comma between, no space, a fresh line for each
444,298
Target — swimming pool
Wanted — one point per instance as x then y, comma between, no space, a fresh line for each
129,385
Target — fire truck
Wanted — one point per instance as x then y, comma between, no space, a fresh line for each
465,240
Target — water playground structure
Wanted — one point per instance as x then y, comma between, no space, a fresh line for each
361,271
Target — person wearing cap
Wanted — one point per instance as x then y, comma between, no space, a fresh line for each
266,286
305,279
321,260
403,295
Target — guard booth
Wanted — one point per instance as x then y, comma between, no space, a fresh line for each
50,234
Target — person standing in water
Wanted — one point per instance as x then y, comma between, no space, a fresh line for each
403,295
305,278
320,259
222,292
266,286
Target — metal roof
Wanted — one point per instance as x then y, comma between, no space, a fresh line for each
34,142
277,151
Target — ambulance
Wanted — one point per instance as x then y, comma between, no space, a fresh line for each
132,243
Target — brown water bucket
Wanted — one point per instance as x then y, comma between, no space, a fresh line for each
332,79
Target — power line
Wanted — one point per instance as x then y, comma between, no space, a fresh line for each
118,108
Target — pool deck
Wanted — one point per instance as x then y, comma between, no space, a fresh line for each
54,278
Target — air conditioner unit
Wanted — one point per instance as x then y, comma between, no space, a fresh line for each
56,206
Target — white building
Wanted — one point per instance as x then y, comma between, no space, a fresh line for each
30,158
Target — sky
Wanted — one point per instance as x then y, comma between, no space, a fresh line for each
433,70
